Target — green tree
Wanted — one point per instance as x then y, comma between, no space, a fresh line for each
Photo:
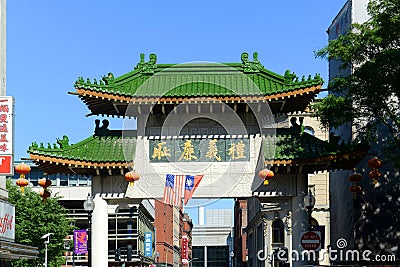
369,97
35,218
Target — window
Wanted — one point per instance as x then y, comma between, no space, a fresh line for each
198,256
278,232
218,256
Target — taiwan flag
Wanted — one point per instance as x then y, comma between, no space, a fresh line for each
191,183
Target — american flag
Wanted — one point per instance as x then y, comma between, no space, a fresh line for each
173,189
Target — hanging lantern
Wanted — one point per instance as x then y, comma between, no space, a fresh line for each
375,163
266,175
22,182
44,182
22,169
45,194
355,189
374,174
132,177
355,177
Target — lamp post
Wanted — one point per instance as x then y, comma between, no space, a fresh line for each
46,238
309,202
88,205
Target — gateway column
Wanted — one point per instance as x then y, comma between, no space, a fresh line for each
100,233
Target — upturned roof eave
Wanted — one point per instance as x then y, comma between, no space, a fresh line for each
84,92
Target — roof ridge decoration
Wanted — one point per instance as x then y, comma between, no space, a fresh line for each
63,144
108,80
147,67
251,66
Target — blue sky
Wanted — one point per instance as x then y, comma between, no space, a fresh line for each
51,43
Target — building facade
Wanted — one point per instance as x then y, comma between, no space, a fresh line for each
168,225
239,236
3,39
211,240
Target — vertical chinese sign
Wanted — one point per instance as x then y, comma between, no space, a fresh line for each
185,242
6,135
148,244
80,242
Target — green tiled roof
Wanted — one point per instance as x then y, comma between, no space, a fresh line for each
93,149
248,78
291,145
285,144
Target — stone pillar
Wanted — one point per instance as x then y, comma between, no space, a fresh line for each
267,227
100,233
299,217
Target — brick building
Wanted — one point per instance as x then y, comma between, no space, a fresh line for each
239,237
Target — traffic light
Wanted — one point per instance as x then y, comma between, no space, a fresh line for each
129,254
118,254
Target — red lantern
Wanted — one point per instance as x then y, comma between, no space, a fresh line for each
22,169
266,175
375,163
132,177
44,182
355,177
375,174
45,194
22,182
355,189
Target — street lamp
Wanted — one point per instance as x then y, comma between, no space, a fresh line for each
88,205
46,238
309,202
